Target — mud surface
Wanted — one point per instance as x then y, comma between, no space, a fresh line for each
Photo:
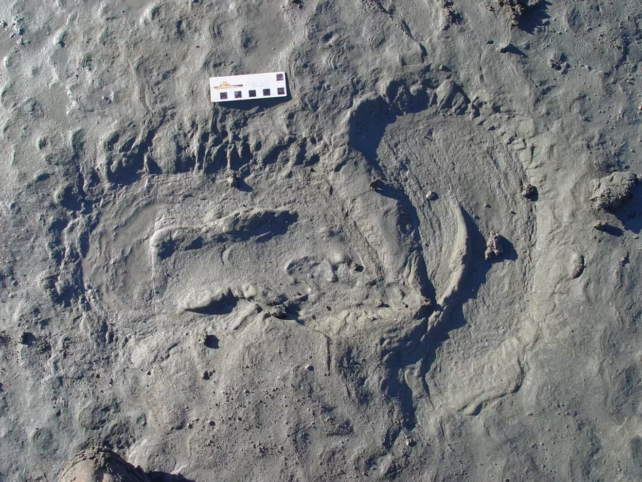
393,274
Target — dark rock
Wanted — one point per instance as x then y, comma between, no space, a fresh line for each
529,191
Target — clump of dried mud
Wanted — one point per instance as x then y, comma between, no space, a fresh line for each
516,9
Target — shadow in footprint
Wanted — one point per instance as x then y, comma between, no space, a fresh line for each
164,477
633,221
421,346
243,186
534,18
475,277
631,215
367,128
263,226
219,307
212,342
612,230
511,49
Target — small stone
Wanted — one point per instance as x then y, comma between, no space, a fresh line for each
529,191
431,196
233,181
578,266
613,190
206,375
376,185
277,311
601,225
309,368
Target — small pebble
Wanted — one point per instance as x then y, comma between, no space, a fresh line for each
233,181
25,337
277,311
376,185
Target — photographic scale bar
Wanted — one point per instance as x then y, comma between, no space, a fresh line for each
251,86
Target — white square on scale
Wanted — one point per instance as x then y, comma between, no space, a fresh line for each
248,87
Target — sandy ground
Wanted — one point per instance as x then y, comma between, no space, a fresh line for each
427,266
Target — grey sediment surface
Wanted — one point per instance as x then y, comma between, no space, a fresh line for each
423,264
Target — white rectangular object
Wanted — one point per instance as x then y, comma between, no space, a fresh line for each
248,87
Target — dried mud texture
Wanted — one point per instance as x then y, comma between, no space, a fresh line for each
494,246
614,190
100,464
297,289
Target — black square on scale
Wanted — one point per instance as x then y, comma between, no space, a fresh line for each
279,77
280,91
252,93
266,91
238,94
223,95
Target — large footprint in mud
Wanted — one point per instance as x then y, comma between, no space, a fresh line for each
443,184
